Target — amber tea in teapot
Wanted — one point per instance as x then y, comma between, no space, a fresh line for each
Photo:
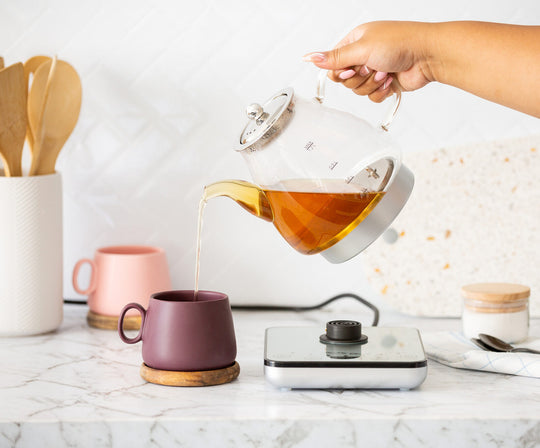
311,221
311,215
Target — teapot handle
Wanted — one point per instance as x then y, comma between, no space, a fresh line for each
321,86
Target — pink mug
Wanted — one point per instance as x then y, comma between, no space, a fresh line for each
121,273
179,333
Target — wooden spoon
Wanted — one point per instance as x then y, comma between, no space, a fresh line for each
12,118
36,97
30,68
32,64
1,62
61,107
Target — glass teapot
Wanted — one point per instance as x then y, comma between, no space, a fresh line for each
329,181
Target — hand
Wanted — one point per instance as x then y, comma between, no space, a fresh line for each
377,58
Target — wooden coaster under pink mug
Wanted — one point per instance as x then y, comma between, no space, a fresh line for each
119,275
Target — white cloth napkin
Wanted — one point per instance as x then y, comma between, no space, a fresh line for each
453,349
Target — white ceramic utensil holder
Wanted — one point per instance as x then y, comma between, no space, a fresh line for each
31,299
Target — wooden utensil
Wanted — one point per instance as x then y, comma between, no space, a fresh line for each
13,96
32,64
36,97
30,68
60,112
1,62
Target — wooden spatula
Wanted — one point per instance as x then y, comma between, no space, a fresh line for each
61,107
36,97
13,96
30,68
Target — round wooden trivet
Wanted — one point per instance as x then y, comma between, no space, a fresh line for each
111,322
190,379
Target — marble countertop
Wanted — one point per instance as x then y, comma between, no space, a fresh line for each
81,387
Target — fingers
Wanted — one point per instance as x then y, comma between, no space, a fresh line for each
363,81
356,78
383,92
340,57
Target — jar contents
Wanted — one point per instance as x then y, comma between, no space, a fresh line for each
497,309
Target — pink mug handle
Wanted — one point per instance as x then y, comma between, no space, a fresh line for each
121,323
93,280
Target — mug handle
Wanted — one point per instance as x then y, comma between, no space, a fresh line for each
121,323
321,87
92,286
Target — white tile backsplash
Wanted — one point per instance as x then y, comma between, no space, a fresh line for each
165,84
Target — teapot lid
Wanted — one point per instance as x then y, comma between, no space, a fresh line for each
266,121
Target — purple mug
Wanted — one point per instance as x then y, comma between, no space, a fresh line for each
182,334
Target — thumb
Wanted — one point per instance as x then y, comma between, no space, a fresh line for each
338,58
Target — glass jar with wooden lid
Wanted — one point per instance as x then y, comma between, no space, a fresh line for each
498,309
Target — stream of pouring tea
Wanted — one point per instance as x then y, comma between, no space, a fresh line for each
202,204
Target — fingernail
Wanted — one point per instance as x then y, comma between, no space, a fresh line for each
347,74
379,76
314,57
364,71
386,83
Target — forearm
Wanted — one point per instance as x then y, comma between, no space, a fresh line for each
498,62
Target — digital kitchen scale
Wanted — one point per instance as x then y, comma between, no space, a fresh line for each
344,357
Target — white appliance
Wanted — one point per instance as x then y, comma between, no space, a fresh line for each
344,357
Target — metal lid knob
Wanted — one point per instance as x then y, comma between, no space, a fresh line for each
267,121
254,111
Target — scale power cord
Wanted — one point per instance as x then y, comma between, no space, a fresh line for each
345,295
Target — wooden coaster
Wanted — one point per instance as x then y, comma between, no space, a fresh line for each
190,379
111,322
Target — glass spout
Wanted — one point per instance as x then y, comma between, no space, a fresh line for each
249,196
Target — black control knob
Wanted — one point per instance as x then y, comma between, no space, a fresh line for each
343,332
